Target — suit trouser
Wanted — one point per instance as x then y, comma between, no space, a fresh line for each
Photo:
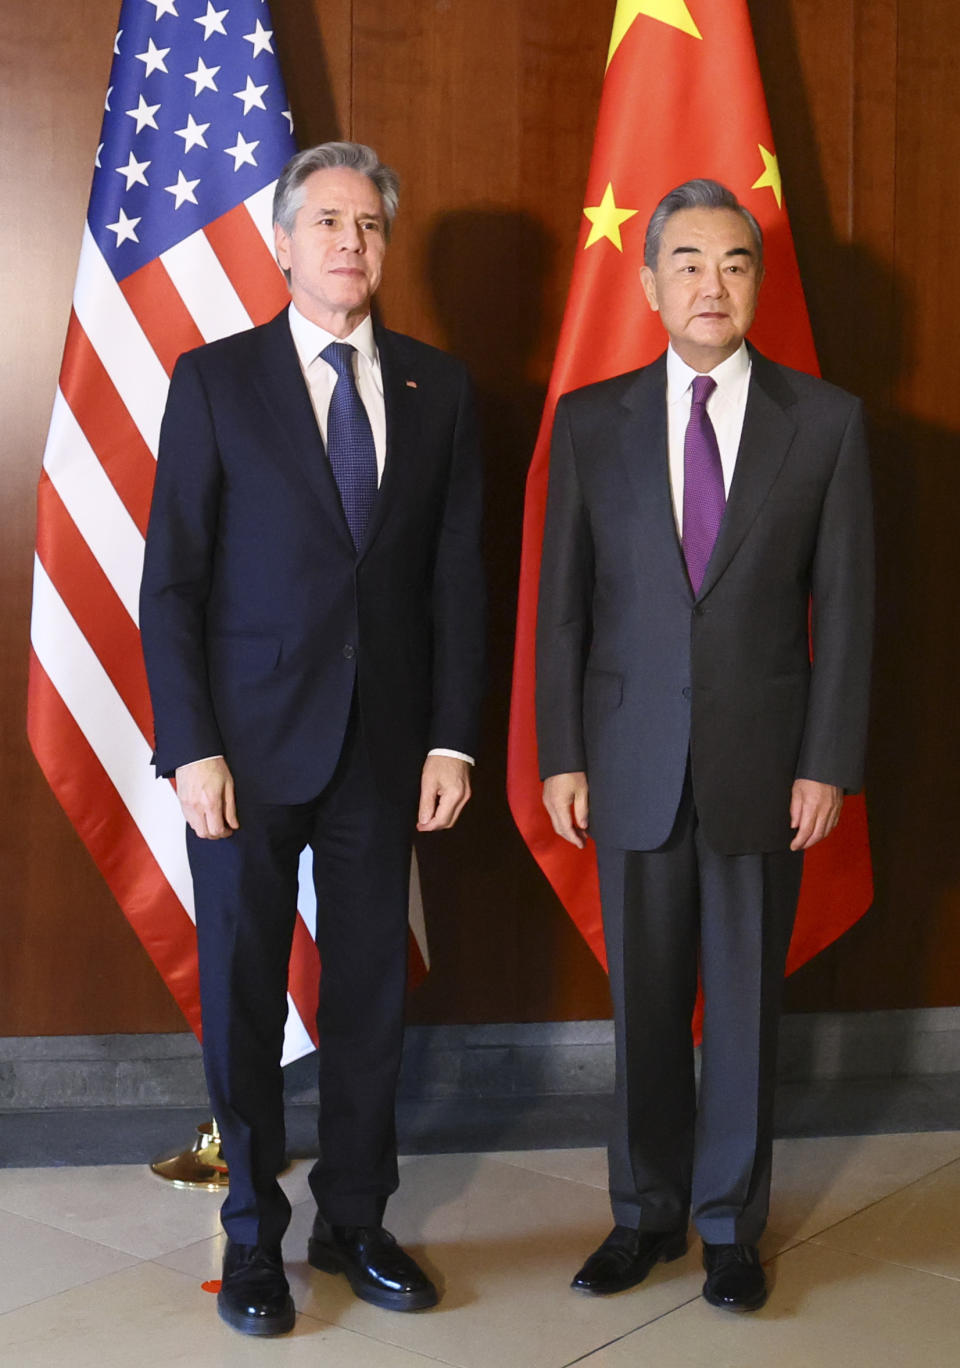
670,1150
246,895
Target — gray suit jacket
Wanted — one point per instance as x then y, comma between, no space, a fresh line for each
635,673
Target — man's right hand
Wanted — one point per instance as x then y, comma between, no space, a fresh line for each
205,790
565,796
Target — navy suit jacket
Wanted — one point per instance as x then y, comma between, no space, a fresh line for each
635,673
260,619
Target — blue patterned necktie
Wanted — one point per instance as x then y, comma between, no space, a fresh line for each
703,494
350,446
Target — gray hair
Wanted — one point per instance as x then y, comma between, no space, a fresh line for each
289,194
695,194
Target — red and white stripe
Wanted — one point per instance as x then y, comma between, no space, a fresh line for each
89,716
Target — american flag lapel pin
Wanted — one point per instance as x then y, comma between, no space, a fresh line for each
411,384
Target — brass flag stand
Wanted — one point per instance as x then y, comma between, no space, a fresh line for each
202,1166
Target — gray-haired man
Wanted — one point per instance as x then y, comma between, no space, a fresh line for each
696,509
312,618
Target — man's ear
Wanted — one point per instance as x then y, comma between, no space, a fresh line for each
282,244
649,282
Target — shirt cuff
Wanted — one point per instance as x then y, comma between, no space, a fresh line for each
454,755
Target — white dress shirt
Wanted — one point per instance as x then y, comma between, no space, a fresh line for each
310,340
726,407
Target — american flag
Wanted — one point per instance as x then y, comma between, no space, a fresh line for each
177,250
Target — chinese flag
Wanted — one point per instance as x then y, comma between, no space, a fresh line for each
681,98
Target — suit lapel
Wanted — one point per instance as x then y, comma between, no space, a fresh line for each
401,401
299,449
643,451
768,431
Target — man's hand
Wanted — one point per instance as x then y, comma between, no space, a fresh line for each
814,811
566,798
205,790
444,792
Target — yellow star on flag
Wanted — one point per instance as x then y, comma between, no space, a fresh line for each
606,219
672,12
771,175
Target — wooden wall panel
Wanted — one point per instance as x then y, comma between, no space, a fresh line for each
487,108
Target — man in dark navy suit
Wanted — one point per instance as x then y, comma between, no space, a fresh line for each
312,621
697,509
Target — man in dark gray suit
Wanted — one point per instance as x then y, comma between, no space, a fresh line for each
697,508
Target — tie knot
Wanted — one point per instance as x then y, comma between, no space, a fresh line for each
340,356
703,387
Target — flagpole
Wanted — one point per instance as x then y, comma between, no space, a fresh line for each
200,1167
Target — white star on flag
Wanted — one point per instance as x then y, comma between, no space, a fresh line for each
144,115
134,172
242,152
289,118
183,190
260,38
106,100
152,59
164,7
124,228
96,160
202,77
251,95
192,135
116,43
212,21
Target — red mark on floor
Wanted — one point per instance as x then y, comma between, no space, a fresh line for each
212,1285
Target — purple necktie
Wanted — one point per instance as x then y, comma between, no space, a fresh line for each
350,445
703,496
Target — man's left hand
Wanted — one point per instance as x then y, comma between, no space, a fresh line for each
444,792
814,811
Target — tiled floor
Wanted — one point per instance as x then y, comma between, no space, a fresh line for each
103,1267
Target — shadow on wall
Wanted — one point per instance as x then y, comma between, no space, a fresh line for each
487,268
908,943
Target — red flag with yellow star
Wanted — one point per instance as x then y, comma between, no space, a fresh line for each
682,98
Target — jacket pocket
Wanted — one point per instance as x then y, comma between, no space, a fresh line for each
602,690
244,655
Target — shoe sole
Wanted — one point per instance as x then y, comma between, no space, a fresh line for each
264,1326
327,1260
674,1248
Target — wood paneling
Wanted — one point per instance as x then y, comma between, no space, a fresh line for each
487,109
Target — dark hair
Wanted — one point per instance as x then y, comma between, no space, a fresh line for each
695,194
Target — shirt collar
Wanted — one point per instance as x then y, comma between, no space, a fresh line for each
310,339
728,374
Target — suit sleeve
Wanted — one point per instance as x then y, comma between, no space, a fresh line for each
563,611
177,575
459,594
842,591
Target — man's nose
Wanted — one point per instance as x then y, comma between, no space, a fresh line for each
713,283
351,239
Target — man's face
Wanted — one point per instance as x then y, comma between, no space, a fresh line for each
335,252
705,284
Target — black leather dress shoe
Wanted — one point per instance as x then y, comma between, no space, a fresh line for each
735,1277
626,1257
377,1269
254,1296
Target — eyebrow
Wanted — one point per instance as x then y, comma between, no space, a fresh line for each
734,251
323,213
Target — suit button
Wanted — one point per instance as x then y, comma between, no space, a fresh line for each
686,692
699,609
348,652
